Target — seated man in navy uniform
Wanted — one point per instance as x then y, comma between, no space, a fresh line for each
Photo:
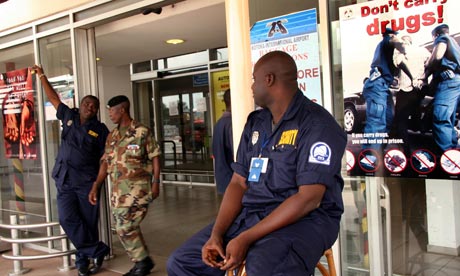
283,205
77,165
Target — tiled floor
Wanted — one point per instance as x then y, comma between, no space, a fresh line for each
180,211
176,215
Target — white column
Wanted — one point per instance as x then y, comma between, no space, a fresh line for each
443,215
375,226
239,57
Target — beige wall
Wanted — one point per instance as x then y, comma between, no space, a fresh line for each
17,12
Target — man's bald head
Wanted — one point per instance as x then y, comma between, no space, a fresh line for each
275,78
282,65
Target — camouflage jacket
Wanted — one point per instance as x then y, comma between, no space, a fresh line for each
129,159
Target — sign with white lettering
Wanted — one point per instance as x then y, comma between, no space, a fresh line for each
295,34
17,103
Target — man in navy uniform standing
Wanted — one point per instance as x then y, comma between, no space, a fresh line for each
376,91
283,205
222,146
444,66
77,165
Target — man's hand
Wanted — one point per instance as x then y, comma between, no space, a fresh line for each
235,253
93,194
419,83
212,253
155,190
38,69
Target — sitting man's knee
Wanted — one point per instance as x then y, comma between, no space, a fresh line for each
171,263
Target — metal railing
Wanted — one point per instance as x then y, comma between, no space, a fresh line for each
17,242
188,178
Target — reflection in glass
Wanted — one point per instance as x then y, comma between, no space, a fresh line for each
56,60
21,182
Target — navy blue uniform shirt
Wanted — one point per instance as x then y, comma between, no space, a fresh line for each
383,59
222,149
451,59
81,147
306,147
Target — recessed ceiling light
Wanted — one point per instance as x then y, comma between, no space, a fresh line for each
175,41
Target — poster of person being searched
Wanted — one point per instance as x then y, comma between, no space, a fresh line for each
18,111
401,83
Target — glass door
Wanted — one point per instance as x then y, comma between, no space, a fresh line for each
185,129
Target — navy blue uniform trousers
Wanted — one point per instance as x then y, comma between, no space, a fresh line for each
291,251
79,219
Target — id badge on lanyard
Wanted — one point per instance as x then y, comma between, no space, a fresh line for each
258,164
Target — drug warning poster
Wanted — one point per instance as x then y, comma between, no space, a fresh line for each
17,102
400,67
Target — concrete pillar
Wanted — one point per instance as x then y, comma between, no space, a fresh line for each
443,215
239,57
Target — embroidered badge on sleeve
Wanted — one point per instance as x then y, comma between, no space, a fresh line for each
320,153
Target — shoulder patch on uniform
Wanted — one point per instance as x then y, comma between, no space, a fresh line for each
320,153
255,137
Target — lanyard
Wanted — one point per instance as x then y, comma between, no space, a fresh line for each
264,144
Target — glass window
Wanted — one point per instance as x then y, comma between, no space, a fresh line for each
21,181
56,60
143,66
185,60
410,220
219,54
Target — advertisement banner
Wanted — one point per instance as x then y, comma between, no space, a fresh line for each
401,88
17,102
295,34
220,83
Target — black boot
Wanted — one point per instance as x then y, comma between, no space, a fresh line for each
141,268
83,271
97,264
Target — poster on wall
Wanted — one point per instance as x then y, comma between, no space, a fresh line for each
17,104
220,83
400,103
295,34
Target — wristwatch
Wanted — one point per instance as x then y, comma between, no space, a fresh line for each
156,181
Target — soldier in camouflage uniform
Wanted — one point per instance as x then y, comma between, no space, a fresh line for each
131,159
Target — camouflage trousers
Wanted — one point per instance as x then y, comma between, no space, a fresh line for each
127,225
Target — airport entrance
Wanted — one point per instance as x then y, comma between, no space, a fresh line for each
185,130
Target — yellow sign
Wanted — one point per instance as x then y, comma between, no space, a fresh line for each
220,83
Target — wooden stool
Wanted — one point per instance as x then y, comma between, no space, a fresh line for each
330,264
325,272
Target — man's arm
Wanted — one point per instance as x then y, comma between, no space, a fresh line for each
156,177
398,44
102,174
403,66
53,97
291,210
432,63
228,211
